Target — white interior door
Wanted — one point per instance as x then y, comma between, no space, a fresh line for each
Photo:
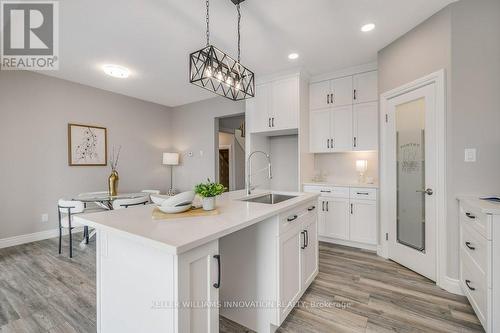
412,169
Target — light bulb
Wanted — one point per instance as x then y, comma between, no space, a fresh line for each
219,75
229,80
208,71
237,85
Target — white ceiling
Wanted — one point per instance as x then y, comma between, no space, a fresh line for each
154,37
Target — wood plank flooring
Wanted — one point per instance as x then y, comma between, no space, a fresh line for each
355,291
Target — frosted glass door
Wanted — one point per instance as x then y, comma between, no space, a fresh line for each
410,150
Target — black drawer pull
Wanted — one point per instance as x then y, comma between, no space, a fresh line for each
310,209
290,219
467,282
363,193
303,246
326,191
307,238
217,285
471,216
468,245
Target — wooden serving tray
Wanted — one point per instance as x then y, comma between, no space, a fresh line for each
193,212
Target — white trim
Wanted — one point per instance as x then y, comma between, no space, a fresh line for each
438,78
347,243
451,285
370,67
34,237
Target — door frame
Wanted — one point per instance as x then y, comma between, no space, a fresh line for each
438,79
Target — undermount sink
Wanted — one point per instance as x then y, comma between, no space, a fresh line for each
270,199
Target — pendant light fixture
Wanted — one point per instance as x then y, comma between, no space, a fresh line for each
214,70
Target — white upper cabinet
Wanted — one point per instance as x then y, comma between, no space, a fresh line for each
365,87
342,91
319,95
350,106
365,126
275,106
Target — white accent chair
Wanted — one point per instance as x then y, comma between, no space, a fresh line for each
126,203
66,210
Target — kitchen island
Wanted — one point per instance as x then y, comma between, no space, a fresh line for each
251,264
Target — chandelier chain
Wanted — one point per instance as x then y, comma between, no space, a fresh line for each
239,35
208,23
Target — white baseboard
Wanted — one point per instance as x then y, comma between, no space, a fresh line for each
34,237
451,285
348,243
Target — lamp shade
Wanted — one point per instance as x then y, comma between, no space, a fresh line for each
170,158
361,165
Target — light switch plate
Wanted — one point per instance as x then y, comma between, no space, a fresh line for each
44,218
470,155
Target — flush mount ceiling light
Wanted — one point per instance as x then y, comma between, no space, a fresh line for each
293,56
368,27
116,71
214,70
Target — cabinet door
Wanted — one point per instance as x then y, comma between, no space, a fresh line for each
290,270
319,131
342,91
284,111
365,87
336,217
341,125
365,124
198,272
309,251
257,109
363,224
319,95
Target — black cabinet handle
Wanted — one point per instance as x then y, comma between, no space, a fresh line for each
322,205
326,191
328,143
354,141
331,98
332,143
217,285
303,234
290,219
307,238
467,282
310,209
351,209
471,216
362,193
469,246
269,122
272,122
354,95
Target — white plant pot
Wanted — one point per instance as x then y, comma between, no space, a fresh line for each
208,203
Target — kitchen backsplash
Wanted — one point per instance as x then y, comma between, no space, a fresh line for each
341,167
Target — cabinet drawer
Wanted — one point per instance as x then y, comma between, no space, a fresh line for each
473,283
475,245
328,191
473,217
363,193
294,218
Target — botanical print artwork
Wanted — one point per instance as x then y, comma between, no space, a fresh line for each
87,145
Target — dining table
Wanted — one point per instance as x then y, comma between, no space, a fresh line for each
105,201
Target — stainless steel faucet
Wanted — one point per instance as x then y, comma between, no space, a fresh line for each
249,169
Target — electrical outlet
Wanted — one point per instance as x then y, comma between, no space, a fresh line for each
44,218
201,153
470,155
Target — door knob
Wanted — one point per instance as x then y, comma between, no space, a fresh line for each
428,191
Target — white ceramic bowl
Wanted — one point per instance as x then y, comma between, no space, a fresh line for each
175,209
179,199
158,199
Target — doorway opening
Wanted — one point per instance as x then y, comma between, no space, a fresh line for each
230,151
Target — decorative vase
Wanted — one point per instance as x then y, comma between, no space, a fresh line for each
113,183
208,203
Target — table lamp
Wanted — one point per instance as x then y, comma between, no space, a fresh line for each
361,167
171,159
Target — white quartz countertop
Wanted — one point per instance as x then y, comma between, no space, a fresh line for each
486,207
183,234
340,184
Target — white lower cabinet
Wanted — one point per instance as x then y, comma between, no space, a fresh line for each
309,252
290,268
347,215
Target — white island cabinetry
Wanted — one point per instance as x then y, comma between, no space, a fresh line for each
178,275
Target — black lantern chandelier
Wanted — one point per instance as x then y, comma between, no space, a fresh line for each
214,70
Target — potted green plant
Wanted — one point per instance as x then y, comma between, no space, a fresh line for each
208,191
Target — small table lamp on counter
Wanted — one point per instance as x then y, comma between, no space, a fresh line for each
361,167
171,159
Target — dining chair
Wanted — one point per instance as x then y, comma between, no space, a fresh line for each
150,192
66,210
126,203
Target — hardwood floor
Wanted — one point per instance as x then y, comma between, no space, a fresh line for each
355,291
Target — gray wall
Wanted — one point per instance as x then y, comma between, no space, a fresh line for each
34,172
193,130
462,39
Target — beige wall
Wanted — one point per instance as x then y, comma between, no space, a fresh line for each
463,40
34,172
193,130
